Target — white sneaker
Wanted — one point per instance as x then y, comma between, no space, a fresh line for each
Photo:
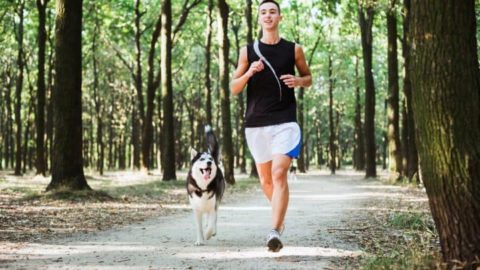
273,241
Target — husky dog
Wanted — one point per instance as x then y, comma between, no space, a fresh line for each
205,186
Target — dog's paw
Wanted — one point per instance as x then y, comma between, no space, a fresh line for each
208,234
198,243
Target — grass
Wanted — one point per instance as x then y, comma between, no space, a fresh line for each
411,221
107,190
408,243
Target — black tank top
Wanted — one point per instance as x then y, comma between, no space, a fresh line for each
265,105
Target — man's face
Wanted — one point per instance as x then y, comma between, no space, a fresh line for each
268,16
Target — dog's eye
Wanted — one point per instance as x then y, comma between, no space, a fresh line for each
202,159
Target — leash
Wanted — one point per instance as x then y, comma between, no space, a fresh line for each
260,55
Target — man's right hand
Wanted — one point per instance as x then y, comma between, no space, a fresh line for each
255,67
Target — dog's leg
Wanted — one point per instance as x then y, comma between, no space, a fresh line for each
198,220
212,224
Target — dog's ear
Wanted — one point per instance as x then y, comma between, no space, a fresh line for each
193,153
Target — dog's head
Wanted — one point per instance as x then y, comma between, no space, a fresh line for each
204,167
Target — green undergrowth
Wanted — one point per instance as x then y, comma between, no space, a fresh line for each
145,192
408,241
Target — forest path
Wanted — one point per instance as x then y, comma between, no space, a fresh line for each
319,208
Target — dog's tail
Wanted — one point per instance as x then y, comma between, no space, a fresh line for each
212,144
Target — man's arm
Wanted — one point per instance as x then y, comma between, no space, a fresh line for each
305,78
243,72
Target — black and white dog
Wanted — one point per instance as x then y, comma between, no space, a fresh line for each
205,186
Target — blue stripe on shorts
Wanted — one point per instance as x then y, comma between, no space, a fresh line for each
295,152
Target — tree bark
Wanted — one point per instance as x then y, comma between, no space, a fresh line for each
393,130
208,55
8,121
446,102
152,84
366,22
227,145
97,100
411,152
67,167
40,115
359,152
18,91
248,18
139,87
331,140
168,151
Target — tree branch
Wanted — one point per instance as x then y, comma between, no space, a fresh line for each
183,18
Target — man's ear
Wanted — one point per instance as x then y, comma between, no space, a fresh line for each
193,153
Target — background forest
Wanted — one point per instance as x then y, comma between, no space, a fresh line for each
122,88
129,85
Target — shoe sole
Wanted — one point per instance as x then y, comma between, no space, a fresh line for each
274,245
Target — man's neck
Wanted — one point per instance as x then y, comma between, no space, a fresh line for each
272,37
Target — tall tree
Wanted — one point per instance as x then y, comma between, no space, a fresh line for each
168,150
446,102
249,21
227,149
153,81
97,99
140,116
67,167
393,130
366,12
331,140
208,54
359,149
18,89
40,115
410,146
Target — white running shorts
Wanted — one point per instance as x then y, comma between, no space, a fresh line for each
264,142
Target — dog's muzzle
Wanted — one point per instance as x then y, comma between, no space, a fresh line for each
206,172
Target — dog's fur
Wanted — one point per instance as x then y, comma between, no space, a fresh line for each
205,186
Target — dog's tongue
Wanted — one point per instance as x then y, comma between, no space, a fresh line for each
206,175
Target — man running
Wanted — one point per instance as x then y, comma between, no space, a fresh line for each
272,133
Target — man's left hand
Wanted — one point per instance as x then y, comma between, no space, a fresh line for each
290,80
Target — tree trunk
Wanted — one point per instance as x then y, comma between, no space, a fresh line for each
208,55
67,167
97,100
152,85
319,142
8,116
18,91
227,146
445,80
331,140
393,130
248,18
337,146
367,40
359,152
139,87
168,151
136,129
49,124
411,154
40,115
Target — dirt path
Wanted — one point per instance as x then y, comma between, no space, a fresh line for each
318,204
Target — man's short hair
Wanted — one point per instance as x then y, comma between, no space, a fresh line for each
270,1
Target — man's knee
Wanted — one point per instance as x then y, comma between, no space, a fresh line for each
279,175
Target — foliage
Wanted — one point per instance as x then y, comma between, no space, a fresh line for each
333,23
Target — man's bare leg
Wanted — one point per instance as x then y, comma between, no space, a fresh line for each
280,194
265,174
